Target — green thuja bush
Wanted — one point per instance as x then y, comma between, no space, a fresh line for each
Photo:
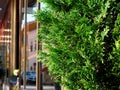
81,41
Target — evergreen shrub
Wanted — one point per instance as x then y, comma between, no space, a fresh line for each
81,41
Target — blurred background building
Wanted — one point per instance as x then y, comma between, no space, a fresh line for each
12,37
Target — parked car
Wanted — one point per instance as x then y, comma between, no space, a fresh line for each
32,77
28,73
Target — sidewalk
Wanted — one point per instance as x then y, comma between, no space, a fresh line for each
28,87
6,87
34,88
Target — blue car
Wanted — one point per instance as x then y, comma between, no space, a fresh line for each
28,73
32,77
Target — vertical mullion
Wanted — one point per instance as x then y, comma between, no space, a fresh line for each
25,40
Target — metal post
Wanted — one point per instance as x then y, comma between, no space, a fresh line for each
20,20
13,27
13,34
25,40
38,64
9,57
11,44
12,40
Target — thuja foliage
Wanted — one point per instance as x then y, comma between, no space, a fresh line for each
81,41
